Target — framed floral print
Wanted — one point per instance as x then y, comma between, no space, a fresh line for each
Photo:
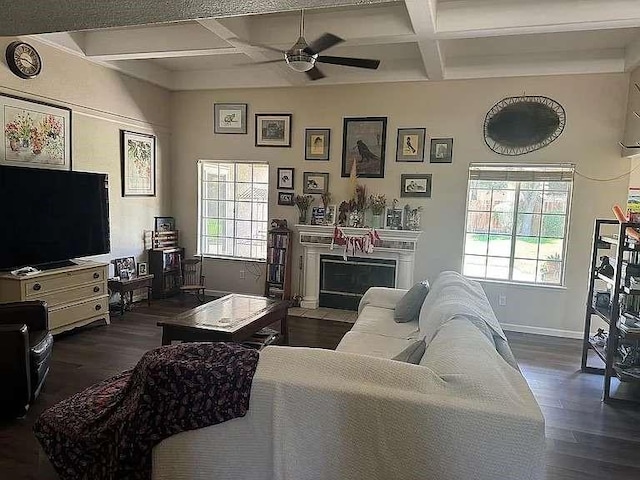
36,134
138,152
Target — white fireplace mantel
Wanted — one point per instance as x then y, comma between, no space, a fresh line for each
398,245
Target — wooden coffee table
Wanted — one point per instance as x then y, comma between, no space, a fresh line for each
233,318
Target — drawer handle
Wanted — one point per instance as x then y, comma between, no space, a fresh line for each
96,289
37,286
98,307
96,275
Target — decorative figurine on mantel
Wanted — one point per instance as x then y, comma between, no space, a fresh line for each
605,268
343,211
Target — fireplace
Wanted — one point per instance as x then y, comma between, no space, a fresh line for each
397,249
343,282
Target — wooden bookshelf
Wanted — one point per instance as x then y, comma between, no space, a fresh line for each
278,282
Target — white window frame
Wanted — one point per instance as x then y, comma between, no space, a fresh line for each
201,217
520,173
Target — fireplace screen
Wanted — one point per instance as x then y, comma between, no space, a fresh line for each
342,283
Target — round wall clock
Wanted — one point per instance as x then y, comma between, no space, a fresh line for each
23,60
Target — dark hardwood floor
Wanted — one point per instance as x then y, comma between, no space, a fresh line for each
585,438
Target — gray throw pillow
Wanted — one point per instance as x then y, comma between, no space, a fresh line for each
408,308
413,353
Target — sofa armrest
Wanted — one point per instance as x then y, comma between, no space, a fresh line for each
383,297
34,314
14,369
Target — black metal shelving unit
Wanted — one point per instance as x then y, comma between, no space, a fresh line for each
626,251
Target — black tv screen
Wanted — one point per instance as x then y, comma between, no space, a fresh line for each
51,216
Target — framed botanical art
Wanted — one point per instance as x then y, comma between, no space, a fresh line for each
285,178
316,143
330,215
441,150
230,118
273,129
286,198
315,182
138,151
393,218
36,134
410,145
364,142
415,185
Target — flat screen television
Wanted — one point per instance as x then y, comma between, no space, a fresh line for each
51,216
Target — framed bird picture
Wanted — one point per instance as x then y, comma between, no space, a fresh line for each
410,146
364,144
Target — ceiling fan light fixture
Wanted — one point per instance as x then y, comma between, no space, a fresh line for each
301,62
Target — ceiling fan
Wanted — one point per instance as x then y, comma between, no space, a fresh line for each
302,57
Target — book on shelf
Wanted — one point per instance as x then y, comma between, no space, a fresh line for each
278,240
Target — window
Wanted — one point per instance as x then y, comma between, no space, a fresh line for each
233,209
516,226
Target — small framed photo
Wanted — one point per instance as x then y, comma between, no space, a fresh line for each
315,182
330,215
393,218
124,265
410,146
230,118
415,185
125,274
286,198
273,130
165,224
285,178
317,216
316,143
441,150
142,269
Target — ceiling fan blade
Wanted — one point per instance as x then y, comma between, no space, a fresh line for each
315,74
258,45
350,62
325,41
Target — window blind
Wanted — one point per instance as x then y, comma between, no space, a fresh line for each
522,173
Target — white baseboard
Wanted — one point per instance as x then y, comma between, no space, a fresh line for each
551,332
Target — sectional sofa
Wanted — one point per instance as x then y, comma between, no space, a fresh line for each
464,411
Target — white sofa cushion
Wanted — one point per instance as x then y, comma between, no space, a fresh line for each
380,321
384,297
373,345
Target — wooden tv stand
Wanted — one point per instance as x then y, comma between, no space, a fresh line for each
76,295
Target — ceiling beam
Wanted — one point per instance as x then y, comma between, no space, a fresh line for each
472,19
233,29
423,14
632,55
558,63
35,16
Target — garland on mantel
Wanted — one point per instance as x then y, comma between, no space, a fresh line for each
363,243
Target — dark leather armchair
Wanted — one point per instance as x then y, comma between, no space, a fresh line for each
25,351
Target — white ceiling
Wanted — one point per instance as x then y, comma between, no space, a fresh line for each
414,39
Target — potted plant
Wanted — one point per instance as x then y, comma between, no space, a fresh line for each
303,202
377,204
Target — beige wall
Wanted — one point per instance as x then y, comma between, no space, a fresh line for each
595,106
103,102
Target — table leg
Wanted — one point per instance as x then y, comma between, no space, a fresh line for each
122,302
166,338
284,329
148,296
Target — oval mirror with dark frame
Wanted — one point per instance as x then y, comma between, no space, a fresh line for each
519,125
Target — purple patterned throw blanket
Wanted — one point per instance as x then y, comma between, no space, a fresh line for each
108,430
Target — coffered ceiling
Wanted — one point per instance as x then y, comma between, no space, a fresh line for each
414,39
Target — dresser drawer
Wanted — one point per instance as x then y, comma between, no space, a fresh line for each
59,317
73,295
37,287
